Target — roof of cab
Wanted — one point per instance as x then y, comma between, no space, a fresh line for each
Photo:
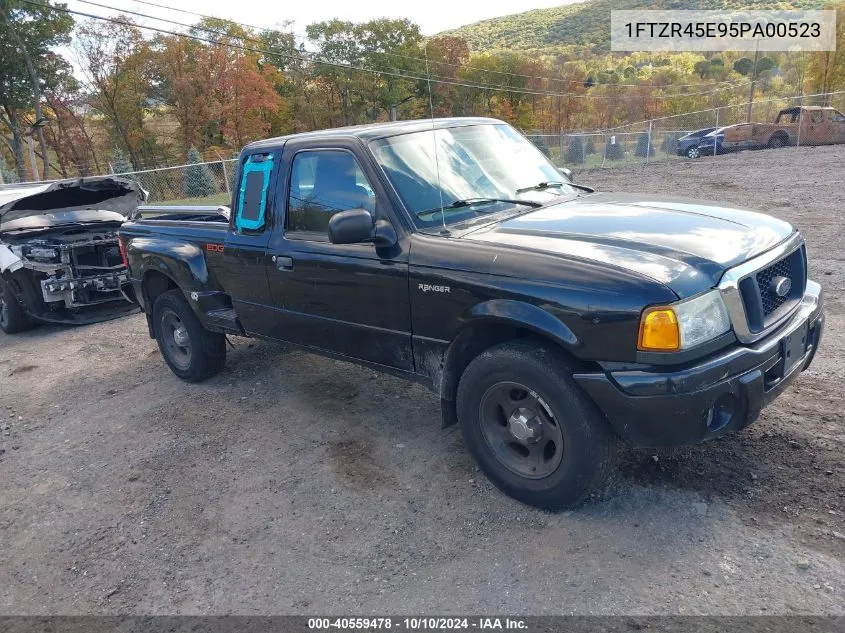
371,131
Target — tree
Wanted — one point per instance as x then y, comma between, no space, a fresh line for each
119,163
826,69
248,99
590,146
199,181
187,72
765,63
743,66
614,151
575,152
645,145
69,133
28,33
703,69
446,55
7,175
382,43
116,60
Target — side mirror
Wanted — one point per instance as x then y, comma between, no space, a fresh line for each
356,226
351,227
566,173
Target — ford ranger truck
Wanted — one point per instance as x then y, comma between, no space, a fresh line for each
552,321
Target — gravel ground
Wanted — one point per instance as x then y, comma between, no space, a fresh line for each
296,484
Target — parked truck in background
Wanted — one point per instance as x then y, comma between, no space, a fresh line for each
550,320
804,125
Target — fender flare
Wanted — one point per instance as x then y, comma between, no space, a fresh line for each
507,312
525,315
183,262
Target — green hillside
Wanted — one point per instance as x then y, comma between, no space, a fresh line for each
586,24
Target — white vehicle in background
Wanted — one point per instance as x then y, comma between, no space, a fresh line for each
60,260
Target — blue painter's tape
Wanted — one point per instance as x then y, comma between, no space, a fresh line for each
247,217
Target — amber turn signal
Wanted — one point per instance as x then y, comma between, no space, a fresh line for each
659,331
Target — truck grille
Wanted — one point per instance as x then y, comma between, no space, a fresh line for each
763,306
771,300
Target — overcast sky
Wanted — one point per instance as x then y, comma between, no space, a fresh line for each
433,16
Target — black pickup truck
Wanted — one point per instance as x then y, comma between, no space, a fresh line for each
551,320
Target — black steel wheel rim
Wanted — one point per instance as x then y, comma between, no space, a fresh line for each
177,343
521,430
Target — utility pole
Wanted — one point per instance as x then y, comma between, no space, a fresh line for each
753,82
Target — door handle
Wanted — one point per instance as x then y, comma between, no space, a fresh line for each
283,263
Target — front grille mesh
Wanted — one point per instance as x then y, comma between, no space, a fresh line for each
763,307
771,301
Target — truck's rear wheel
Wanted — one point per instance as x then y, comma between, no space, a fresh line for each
192,352
533,432
777,141
13,318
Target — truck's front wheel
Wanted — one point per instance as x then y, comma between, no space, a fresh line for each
192,352
533,432
13,318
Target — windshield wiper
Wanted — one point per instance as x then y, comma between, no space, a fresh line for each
545,185
469,202
540,186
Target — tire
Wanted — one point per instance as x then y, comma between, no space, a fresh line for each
13,318
693,152
776,142
498,394
192,352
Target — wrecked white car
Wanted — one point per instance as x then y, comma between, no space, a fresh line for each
60,260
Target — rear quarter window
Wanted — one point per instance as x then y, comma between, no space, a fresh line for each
252,195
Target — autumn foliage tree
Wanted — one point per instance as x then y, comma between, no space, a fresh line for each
117,62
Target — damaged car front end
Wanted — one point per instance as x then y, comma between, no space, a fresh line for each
60,258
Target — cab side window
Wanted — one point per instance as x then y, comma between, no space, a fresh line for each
322,183
816,116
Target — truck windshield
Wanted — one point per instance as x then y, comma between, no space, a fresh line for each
492,163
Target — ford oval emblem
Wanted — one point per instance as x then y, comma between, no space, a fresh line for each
781,286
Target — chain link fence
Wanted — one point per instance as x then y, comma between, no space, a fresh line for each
677,137
195,183
808,120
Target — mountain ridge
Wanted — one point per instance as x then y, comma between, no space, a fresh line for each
568,28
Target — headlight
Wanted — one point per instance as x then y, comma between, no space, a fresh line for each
683,325
41,253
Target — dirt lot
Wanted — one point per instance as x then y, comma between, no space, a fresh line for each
295,484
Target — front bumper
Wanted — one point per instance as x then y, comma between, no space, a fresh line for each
721,394
79,291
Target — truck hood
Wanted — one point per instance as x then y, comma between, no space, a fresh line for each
51,200
685,244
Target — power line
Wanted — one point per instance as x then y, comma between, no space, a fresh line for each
262,42
434,79
397,55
